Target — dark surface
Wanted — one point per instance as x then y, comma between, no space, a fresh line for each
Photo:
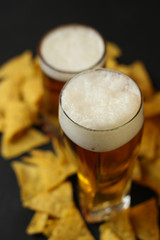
133,25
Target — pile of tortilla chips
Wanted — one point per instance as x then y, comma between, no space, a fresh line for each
21,93
43,175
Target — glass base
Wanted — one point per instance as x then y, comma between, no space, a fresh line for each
103,214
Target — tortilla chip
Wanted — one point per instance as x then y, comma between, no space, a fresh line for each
152,106
10,90
137,172
158,146
149,140
108,234
144,218
2,123
140,74
63,151
32,91
70,155
18,66
31,139
49,226
17,120
113,50
53,170
120,225
29,179
111,63
37,223
42,158
46,167
58,148
151,176
71,226
54,202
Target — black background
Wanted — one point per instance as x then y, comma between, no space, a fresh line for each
133,25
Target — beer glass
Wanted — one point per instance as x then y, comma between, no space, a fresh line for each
64,52
101,115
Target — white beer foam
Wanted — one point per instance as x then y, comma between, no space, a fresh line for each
71,48
97,107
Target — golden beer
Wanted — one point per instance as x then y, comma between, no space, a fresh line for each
103,119
65,51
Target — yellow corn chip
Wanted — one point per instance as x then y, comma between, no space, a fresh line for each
2,123
137,172
111,63
37,223
42,158
144,218
149,140
29,179
49,226
52,169
31,139
113,50
140,74
71,226
151,176
9,91
40,173
18,66
152,106
120,225
32,91
70,155
17,120
54,202
108,234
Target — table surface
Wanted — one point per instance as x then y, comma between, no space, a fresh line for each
134,26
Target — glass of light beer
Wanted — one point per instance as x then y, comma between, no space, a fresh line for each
63,52
101,115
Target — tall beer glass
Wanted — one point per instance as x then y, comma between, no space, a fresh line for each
101,114
64,52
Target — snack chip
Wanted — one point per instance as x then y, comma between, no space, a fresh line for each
10,90
31,139
113,50
144,218
18,120
54,202
37,223
149,140
71,226
151,176
108,234
140,74
152,106
137,171
49,226
40,172
2,123
32,92
29,179
120,226
18,66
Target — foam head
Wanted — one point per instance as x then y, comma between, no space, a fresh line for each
101,104
71,48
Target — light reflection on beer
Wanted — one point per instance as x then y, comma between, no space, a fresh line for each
106,154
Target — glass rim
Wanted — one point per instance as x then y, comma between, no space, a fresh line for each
64,26
106,129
